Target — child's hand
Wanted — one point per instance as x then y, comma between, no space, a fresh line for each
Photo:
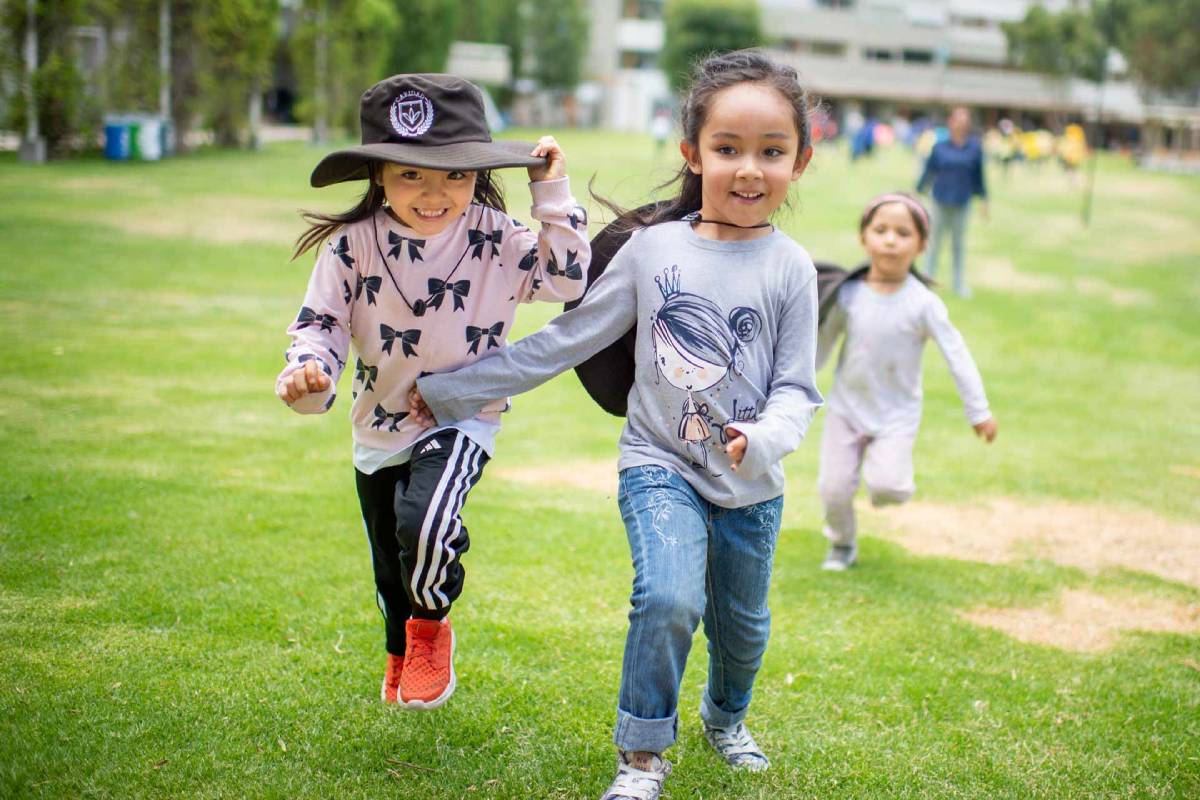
986,430
417,409
310,378
736,449
556,162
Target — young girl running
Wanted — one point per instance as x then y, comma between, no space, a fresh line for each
422,275
725,311
875,403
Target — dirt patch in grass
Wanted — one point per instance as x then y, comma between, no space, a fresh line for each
225,220
1088,622
1090,537
592,476
1001,274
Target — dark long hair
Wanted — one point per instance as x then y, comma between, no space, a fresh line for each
321,226
710,76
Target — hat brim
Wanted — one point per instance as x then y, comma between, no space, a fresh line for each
351,164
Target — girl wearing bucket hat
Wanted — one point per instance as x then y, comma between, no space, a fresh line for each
423,275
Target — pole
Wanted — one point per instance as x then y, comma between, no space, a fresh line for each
33,148
321,89
164,74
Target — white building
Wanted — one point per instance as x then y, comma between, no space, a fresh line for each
884,57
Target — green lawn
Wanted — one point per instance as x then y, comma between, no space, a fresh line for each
186,607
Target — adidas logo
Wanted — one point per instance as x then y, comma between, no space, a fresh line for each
433,444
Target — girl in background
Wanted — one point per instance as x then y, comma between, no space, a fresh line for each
875,403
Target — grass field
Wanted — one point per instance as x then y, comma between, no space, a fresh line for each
186,607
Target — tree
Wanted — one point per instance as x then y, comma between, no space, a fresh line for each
1161,41
359,37
559,34
696,28
429,28
236,40
68,118
1063,45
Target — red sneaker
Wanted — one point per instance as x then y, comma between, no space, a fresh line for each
428,677
391,678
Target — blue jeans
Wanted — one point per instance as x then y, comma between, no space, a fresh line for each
692,560
952,220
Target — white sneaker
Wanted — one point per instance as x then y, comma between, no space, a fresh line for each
632,783
737,747
840,557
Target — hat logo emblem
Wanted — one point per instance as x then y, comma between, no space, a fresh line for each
411,114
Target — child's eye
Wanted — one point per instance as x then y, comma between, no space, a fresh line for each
457,175
410,175
726,150
773,152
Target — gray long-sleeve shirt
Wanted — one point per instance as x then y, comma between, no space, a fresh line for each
726,336
877,383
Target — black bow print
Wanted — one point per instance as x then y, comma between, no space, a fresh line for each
310,357
478,239
382,416
407,338
371,284
475,334
346,293
309,317
341,364
342,251
457,289
365,374
572,270
529,260
414,246
578,217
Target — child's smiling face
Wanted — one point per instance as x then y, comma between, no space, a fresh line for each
892,241
747,153
426,200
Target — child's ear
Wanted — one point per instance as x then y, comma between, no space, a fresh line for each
802,159
690,155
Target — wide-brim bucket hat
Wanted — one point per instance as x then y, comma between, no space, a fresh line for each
426,120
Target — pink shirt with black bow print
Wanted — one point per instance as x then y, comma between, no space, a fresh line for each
412,304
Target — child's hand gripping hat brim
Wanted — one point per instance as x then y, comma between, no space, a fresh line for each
432,121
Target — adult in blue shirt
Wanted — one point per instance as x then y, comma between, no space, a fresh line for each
955,168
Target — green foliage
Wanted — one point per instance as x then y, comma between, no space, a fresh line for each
559,33
696,28
67,118
237,39
360,35
429,27
496,22
1067,44
1161,41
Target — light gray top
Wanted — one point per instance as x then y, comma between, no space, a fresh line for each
726,336
877,383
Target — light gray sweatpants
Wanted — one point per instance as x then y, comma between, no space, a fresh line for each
885,463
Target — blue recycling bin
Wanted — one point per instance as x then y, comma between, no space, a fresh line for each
118,140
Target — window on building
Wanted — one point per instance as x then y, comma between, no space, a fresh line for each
829,48
877,54
635,59
642,9
835,3
917,56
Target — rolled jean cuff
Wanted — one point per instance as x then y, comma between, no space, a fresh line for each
649,735
714,717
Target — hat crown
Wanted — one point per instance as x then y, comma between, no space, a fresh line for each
423,109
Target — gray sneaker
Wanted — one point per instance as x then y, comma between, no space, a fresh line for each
632,783
840,557
737,747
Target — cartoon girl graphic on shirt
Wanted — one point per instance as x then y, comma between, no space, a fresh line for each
695,347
